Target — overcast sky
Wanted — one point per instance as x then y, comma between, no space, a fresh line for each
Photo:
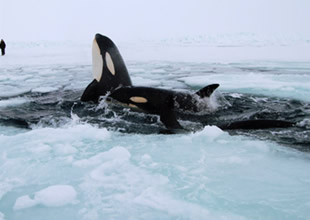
141,19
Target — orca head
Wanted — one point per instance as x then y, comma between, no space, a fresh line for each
120,95
151,100
128,96
108,67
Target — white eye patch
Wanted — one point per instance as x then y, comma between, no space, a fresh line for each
110,63
97,61
138,99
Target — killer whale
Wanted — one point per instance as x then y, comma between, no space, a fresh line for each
111,77
161,102
108,67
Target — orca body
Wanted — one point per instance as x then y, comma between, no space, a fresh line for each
161,101
109,69
111,75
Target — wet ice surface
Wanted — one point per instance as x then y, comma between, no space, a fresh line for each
52,196
83,161
206,174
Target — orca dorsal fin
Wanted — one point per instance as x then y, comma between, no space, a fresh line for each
207,91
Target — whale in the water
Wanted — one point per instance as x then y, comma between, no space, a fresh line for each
109,69
111,77
162,102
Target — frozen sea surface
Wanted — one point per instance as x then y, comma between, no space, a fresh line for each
62,159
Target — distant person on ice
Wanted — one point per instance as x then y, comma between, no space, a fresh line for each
2,47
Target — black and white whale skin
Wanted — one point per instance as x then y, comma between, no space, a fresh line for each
111,77
162,102
109,69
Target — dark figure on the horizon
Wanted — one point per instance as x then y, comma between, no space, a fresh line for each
2,47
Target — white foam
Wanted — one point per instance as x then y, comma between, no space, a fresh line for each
305,123
40,148
232,160
52,196
64,149
236,95
208,104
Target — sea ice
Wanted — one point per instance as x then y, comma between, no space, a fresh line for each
119,153
24,202
52,196
2,216
44,89
211,132
57,195
12,102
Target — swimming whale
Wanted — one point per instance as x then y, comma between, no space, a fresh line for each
111,76
162,102
111,79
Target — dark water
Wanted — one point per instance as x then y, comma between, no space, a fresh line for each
56,108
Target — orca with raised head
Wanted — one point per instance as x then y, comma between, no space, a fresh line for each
109,69
111,76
